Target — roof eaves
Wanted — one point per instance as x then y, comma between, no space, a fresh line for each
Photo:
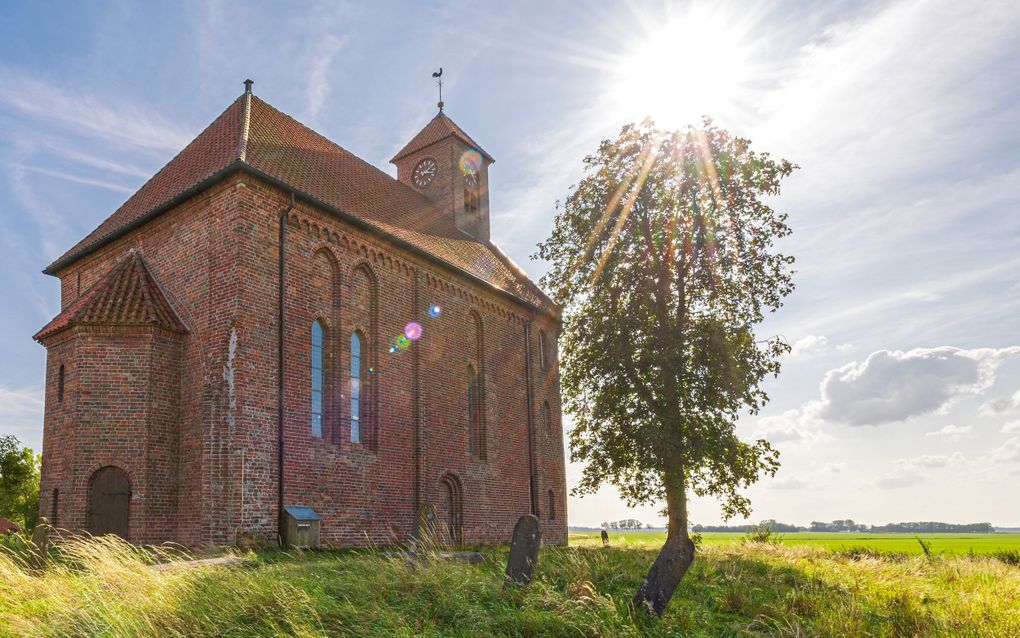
69,259
403,243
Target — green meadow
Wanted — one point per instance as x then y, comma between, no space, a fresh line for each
956,544
105,587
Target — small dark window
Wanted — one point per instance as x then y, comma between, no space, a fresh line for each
546,417
60,384
552,506
543,350
55,508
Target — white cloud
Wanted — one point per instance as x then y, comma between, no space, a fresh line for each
811,344
951,432
900,477
1012,426
891,386
1002,406
915,470
799,427
789,483
1008,452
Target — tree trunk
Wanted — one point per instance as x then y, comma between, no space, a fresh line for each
677,554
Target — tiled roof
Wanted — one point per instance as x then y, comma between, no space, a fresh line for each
252,134
126,296
440,128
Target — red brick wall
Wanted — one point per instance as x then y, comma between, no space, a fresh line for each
216,257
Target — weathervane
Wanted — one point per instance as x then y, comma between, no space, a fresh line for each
439,76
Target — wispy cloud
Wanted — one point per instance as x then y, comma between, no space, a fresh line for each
951,432
82,113
21,414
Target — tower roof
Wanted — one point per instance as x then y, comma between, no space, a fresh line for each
250,135
128,295
438,129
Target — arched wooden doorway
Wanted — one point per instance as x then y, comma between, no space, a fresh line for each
454,509
109,502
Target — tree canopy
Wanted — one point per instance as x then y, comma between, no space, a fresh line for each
19,482
664,259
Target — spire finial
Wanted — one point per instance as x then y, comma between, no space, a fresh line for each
247,85
439,77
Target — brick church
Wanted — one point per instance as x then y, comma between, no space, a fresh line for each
273,324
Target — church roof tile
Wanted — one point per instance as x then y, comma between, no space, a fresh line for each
128,295
251,134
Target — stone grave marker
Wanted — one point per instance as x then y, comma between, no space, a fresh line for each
666,573
41,543
523,551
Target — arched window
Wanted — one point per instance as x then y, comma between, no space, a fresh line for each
543,355
546,417
356,340
473,409
60,384
476,391
552,506
318,378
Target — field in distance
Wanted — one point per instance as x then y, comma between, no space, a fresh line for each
957,544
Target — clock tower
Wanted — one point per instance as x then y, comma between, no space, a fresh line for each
443,163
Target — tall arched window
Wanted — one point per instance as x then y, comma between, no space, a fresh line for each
60,384
318,378
476,390
546,417
552,506
356,341
473,409
543,354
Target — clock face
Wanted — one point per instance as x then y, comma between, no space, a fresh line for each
424,172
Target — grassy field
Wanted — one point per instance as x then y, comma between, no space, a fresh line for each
958,544
107,588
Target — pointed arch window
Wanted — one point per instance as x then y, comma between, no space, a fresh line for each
318,378
543,350
547,417
356,374
473,410
60,384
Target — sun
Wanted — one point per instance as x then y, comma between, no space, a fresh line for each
690,66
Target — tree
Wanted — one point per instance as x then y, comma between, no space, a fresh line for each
19,483
663,258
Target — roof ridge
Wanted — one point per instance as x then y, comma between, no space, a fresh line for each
127,294
242,145
424,139
424,200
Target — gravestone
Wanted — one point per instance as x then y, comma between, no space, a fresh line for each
523,550
665,575
605,538
41,543
426,532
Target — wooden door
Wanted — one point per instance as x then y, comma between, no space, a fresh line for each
109,502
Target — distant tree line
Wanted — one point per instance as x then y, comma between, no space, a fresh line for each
627,523
848,525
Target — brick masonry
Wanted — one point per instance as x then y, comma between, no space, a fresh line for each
192,418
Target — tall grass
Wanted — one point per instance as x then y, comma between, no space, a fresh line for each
105,587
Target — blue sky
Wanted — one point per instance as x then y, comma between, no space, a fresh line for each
901,399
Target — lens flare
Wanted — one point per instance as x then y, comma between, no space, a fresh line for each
470,162
413,331
434,311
